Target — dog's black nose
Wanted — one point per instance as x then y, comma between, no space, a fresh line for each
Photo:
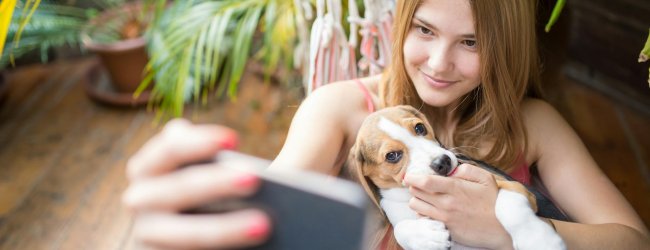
441,165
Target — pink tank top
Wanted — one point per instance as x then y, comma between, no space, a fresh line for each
521,172
366,93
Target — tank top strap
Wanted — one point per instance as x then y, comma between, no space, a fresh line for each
366,93
521,172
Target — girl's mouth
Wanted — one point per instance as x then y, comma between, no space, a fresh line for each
437,82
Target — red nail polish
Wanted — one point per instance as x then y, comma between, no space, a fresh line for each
229,141
246,181
258,229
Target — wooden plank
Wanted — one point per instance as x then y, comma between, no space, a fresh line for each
599,123
100,221
40,221
28,90
637,131
607,36
86,135
34,150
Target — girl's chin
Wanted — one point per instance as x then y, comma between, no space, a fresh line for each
434,98
436,101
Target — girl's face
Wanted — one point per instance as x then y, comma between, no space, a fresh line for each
440,52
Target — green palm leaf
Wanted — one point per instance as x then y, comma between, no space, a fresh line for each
49,26
199,47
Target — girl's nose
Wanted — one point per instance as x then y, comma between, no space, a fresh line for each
440,58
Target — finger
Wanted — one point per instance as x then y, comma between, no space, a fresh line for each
438,200
473,173
426,209
429,183
179,143
189,187
179,231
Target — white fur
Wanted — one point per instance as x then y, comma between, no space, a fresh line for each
420,149
413,231
526,229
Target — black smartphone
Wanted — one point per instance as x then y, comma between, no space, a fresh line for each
308,210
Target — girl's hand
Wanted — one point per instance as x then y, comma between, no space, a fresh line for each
465,203
159,190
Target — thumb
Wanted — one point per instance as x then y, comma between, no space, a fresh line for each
473,173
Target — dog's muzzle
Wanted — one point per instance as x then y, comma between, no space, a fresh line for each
441,165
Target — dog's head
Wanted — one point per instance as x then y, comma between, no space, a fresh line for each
392,142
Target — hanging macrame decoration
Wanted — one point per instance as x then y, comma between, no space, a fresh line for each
375,47
332,56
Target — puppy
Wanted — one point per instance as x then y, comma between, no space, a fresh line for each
398,140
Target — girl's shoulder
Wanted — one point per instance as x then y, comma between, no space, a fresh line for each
539,112
344,97
545,127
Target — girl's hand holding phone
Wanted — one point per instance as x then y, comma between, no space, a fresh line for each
160,188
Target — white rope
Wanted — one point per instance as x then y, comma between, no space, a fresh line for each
332,54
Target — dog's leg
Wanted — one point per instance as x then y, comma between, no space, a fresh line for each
519,188
527,230
422,234
411,230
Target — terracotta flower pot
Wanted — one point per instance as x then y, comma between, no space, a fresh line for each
124,60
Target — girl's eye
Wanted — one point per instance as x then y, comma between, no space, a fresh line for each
469,43
423,30
420,129
394,157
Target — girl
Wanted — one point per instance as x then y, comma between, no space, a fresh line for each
471,66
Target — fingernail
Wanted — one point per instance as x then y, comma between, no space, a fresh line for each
246,181
259,228
230,141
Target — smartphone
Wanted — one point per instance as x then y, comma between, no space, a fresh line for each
308,210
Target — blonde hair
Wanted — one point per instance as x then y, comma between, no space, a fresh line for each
507,48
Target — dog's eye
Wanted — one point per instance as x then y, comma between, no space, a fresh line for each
420,129
394,157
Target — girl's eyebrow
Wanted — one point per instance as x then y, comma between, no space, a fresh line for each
434,28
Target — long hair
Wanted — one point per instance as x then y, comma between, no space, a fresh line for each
509,71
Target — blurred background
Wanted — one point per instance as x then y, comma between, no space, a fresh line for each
86,83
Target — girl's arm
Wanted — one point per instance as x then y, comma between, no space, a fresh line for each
323,129
159,187
604,218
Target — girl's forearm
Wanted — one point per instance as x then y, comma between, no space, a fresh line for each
600,236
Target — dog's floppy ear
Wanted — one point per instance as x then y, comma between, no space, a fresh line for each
356,163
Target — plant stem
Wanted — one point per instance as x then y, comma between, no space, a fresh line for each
559,5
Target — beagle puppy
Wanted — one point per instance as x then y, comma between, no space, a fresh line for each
398,140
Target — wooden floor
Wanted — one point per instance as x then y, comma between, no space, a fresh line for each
62,156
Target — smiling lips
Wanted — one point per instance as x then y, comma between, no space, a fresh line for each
438,83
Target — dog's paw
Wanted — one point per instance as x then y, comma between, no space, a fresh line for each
526,229
422,234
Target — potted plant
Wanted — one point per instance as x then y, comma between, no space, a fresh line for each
115,35
119,25
49,26
201,48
